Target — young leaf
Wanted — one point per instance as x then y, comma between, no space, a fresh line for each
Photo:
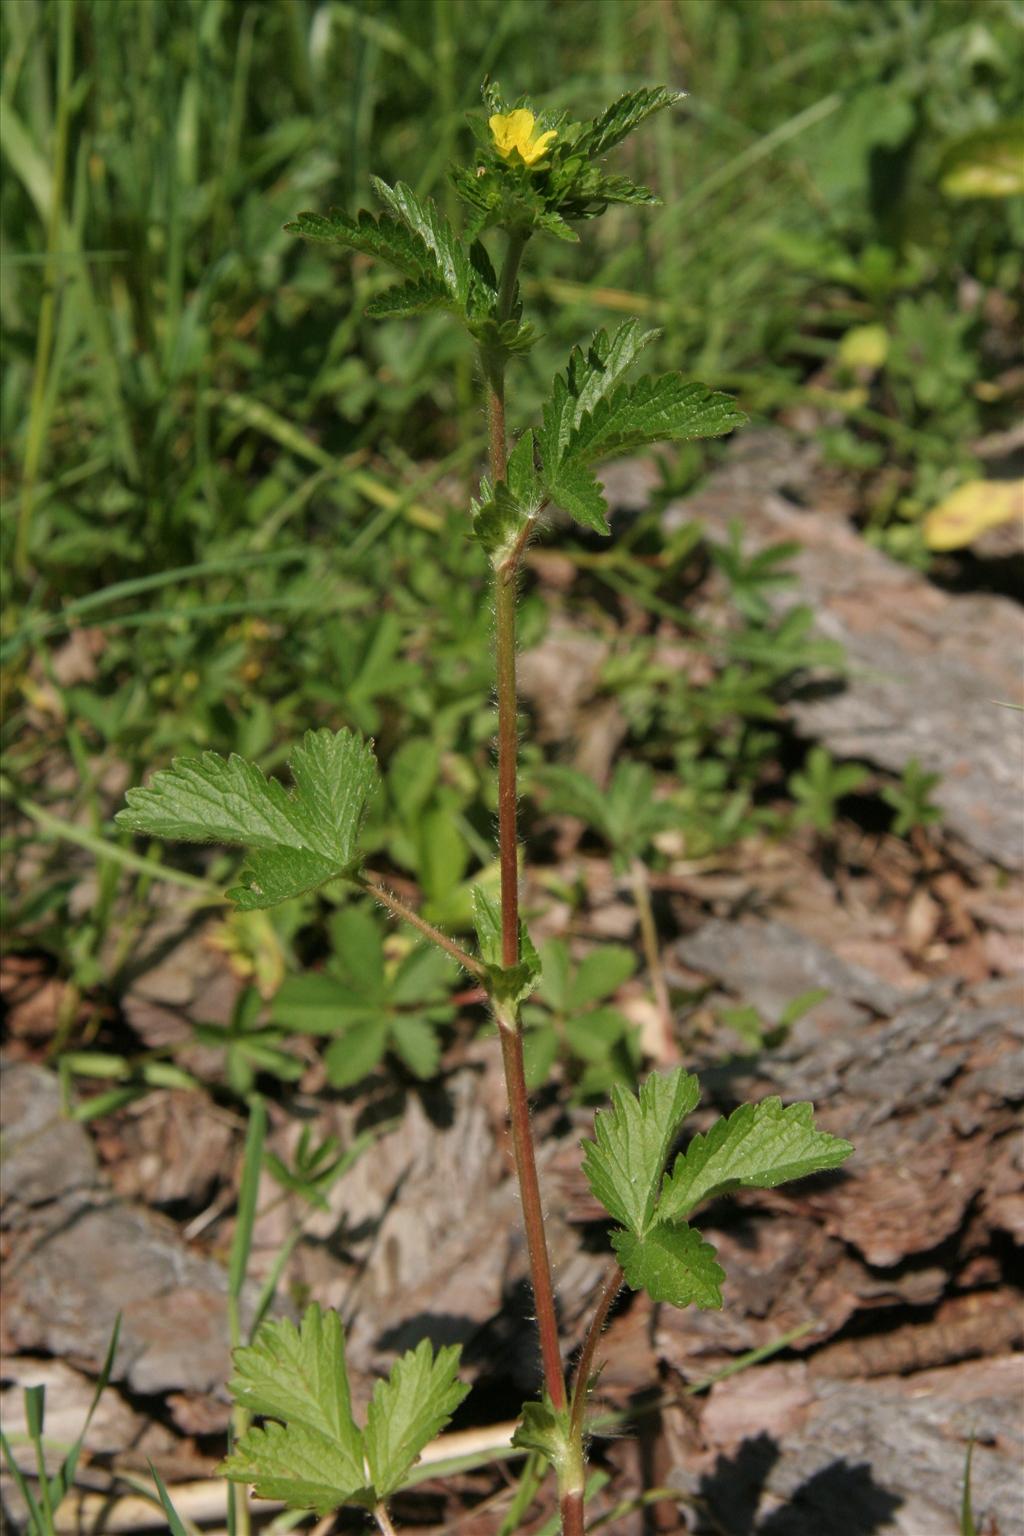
388,239
654,410
508,985
301,839
449,256
622,117
408,1410
313,1458
624,1163
758,1146
671,1264
544,1431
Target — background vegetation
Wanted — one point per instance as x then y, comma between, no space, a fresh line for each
234,507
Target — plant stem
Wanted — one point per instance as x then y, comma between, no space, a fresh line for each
508,1027
383,1520
585,1369
652,954
398,908
533,1214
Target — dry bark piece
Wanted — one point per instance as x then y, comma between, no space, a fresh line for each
795,1455
924,666
46,1156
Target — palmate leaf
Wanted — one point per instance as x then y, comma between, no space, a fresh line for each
622,117
758,1146
297,840
408,1410
625,1162
671,1263
314,1456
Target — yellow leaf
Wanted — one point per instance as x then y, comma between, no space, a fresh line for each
987,163
252,947
864,346
973,508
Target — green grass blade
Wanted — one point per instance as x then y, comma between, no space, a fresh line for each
173,1518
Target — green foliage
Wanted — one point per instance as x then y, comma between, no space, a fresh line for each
300,840
311,1454
314,1169
818,787
757,1034
591,416
758,1146
507,985
909,799
752,577
573,1020
51,1489
249,1046
626,814
370,1005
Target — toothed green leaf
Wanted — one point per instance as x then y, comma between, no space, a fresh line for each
408,1410
297,840
758,1146
592,415
313,1457
671,1264
450,257
625,1162
622,117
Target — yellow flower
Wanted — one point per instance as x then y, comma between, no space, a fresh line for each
514,135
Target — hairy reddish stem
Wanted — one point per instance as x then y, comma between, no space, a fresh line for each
398,908
585,1369
508,748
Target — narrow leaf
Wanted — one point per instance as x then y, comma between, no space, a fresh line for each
408,1410
758,1146
622,117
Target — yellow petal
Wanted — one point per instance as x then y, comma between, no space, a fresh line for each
973,508
531,153
864,346
511,129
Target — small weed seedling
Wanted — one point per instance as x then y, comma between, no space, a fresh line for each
532,175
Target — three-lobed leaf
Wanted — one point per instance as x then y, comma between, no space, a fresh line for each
593,414
758,1146
298,840
312,1455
